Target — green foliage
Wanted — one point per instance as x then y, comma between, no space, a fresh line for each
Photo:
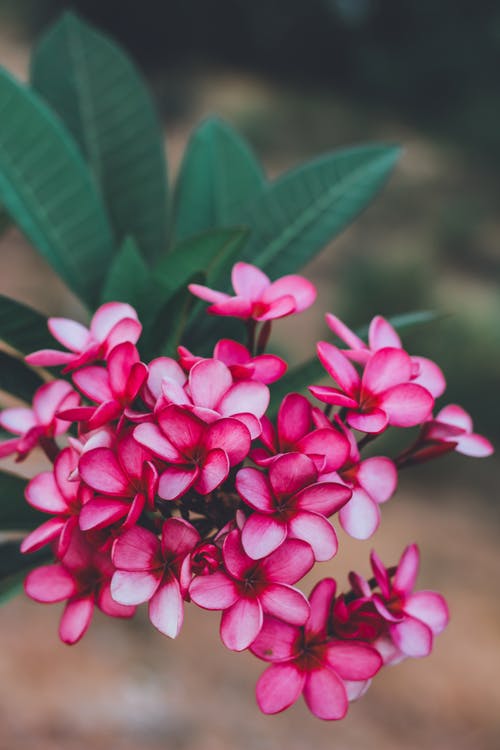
101,98
218,177
128,276
15,513
14,566
17,378
47,190
23,328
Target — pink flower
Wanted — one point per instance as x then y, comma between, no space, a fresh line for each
413,618
125,478
199,455
112,324
382,396
381,334
53,492
265,368
148,570
453,425
256,297
211,394
296,432
83,578
244,589
289,503
307,660
114,388
39,423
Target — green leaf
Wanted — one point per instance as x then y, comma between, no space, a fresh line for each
17,378
15,513
218,176
407,321
174,317
48,191
23,328
14,566
100,96
297,215
128,276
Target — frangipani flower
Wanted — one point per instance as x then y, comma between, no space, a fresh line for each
454,425
256,297
264,368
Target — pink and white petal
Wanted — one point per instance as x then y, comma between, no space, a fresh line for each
234,307
107,316
136,379
430,608
241,624
50,583
176,481
209,380
285,602
49,398
120,363
343,332
107,604
290,473
387,368
213,471
69,333
127,329
381,607
101,470
353,660
268,368
249,281
290,562
412,637
369,420
381,335
355,689
407,570
278,308
47,532
381,574
231,352
185,431
339,368
325,694
134,587
94,383
105,413
178,538
406,405
329,443
164,368
321,602
474,445
317,531
245,396
65,467
277,640
166,608
261,535
323,497
250,421
300,289
254,488
18,420
207,294
231,436
174,393
360,518
279,687
378,477
49,358
101,512
135,511
151,437
214,591
294,419
454,415
430,376
236,561
76,619
328,395
43,493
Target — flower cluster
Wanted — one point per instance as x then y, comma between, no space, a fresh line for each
175,485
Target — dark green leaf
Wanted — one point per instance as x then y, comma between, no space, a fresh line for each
48,191
297,215
17,378
218,176
97,91
128,276
15,513
14,566
22,327
174,317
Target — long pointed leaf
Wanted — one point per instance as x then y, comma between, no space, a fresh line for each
22,327
48,191
99,94
128,276
15,513
17,378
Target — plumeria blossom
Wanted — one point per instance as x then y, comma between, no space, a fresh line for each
289,503
307,660
382,396
453,426
256,297
148,570
38,425
245,589
264,368
113,323
82,578
381,334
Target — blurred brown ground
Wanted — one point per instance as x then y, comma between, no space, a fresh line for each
126,687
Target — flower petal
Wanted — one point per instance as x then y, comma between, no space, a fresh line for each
107,316
166,608
44,534
430,376
290,473
50,583
406,405
430,608
339,368
249,281
214,591
18,420
385,369
378,476
136,550
321,602
285,602
353,660
290,562
209,380
279,687
294,420
178,538
303,292
245,396
133,587
240,624
325,694
261,535
150,436
176,481
100,512
100,469
277,640
412,637
407,571
43,493
254,488
361,516
69,333
343,332
230,435
382,335
76,619
323,497
317,531
369,420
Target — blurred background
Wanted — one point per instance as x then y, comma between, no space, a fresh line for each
297,78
